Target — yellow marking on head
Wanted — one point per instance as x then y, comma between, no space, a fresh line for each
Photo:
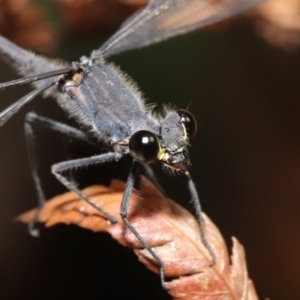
180,149
184,132
166,156
161,153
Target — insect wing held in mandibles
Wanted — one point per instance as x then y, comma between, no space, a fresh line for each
100,98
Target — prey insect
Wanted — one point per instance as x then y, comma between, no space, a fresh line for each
108,106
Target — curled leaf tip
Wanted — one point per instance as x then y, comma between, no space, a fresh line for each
169,229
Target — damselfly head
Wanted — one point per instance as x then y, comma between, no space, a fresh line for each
177,129
170,146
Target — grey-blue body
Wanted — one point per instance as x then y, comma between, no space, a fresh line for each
107,102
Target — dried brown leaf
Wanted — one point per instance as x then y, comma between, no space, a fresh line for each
169,229
24,22
83,17
279,23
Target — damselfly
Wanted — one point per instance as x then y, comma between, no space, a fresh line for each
108,107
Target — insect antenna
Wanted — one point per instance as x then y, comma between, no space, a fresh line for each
189,105
6,114
30,79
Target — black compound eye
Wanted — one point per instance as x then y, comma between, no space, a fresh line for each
144,146
189,122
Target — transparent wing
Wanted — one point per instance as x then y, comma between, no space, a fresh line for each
162,19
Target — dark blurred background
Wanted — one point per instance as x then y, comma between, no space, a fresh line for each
245,158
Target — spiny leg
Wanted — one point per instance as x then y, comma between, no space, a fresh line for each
37,120
7,113
123,212
59,168
196,202
30,79
33,120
